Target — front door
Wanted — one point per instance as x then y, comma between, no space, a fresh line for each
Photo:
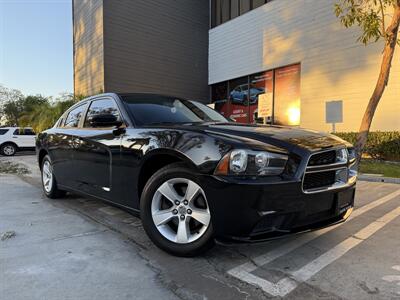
97,152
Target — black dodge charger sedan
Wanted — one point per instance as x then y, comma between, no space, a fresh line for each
192,174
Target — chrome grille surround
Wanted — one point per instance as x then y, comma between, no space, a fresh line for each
343,174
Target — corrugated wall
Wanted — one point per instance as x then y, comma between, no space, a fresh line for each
157,46
333,65
88,47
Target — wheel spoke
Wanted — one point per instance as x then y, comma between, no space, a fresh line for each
182,235
192,191
168,191
201,215
162,217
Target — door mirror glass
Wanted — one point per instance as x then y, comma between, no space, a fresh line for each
105,120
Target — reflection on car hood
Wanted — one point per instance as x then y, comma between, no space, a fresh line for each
277,135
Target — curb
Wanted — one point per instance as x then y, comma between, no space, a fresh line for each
379,179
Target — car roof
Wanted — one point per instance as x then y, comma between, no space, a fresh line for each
147,95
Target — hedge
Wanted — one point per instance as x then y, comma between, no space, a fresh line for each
380,144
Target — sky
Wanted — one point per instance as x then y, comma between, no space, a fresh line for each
36,46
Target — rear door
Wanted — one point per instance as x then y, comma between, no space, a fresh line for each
64,140
24,138
98,151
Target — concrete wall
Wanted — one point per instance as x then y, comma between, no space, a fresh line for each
88,47
333,65
157,46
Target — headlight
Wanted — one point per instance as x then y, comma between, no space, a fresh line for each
248,162
341,155
238,161
352,154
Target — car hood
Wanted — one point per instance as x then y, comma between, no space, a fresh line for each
281,136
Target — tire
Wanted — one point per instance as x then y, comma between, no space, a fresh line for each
8,149
49,183
185,228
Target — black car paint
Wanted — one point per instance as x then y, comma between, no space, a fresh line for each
107,163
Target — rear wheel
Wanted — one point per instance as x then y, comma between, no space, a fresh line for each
49,182
8,149
175,212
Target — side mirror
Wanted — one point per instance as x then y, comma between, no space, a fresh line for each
105,120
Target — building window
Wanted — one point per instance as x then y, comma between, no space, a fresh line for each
280,89
225,10
258,3
219,94
235,8
222,11
287,95
244,6
261,83
239,99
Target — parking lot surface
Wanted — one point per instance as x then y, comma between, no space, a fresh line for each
111,254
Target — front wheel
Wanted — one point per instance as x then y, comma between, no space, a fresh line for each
175,212
49,182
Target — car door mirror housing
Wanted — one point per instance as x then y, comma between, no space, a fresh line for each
105,120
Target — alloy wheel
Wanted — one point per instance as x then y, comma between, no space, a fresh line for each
47,176
9,150
180,210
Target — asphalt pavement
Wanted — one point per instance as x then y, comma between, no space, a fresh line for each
77,248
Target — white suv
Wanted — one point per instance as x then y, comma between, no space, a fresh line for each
13,139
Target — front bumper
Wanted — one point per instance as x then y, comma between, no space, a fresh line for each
252,210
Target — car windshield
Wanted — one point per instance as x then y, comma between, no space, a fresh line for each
152,110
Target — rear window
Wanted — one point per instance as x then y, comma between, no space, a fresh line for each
3,131
74,116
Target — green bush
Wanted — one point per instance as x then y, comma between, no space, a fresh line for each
380,144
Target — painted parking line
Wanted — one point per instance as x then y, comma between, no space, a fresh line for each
286,285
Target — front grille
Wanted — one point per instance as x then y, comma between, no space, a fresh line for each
318,180
325,170
324,158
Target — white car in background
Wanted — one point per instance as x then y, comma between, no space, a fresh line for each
13,139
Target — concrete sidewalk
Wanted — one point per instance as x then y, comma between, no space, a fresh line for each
58,254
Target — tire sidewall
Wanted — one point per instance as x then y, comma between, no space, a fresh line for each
5,145
191,249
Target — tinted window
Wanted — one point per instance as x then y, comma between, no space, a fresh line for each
219,98
3,131
28,131
101,107
18,131
257,3
150,109
74,116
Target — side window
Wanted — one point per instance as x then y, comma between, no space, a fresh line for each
101,107
29,131
17,131
74,116
3,131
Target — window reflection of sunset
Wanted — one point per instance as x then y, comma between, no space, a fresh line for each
293,113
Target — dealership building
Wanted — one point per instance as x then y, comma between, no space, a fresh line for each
278,61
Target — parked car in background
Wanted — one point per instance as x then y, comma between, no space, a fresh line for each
14,139
192,174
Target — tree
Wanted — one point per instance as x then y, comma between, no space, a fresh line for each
10,105
372,16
